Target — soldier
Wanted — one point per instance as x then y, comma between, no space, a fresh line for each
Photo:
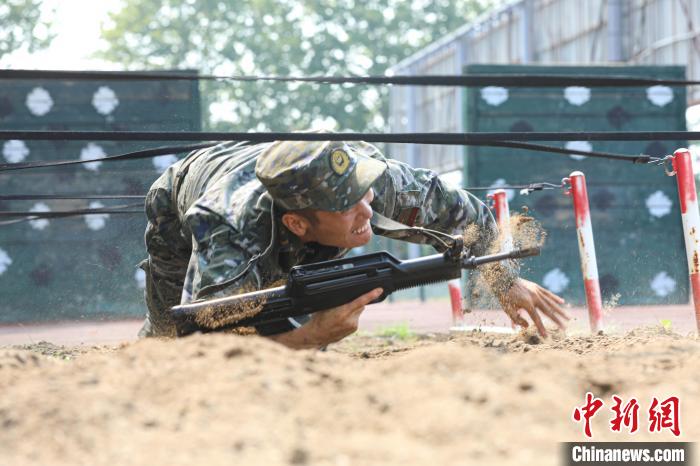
236,217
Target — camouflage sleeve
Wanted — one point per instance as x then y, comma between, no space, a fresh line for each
418,197
218,266
228,258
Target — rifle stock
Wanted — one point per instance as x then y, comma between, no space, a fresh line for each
324,285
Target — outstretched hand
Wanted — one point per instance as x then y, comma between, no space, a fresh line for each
533,299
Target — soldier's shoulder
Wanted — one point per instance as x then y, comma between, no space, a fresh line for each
242,206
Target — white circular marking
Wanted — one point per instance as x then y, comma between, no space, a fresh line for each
162,162
15,151
494,95
92,151
662,284
104,100
659,204
555,280
660,95
5,261
96,221
584,146
39,101
577,95
39,223
140,277
499,183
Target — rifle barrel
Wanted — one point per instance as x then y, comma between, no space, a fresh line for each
473,261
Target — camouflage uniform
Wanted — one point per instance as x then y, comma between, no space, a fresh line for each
214,223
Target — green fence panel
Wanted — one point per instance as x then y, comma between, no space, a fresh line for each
634,209
82,267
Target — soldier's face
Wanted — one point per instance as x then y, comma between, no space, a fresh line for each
348,228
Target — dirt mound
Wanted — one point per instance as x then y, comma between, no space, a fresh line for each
18,359
228,399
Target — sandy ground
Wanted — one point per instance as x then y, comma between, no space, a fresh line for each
465,398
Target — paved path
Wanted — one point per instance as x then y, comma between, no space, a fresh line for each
431,316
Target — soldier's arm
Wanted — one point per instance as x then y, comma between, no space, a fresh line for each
328,326
418,197
226,262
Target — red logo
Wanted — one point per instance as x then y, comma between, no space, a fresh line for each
627,415
662,414
589,409
665,415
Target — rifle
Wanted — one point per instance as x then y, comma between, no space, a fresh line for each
324,285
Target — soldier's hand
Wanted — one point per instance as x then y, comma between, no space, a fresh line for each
534,300
337,323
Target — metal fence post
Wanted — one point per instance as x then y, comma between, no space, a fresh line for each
500,206
586,246
682,168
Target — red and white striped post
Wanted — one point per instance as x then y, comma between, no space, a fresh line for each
455,288
500,206
682,167
499,197
586,247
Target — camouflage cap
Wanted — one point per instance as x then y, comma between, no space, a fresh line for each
325,175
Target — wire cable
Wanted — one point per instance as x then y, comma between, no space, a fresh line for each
68,213
481,80
140,154
175,149
36,197
469,138
529,187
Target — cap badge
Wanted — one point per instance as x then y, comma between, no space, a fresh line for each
340,161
